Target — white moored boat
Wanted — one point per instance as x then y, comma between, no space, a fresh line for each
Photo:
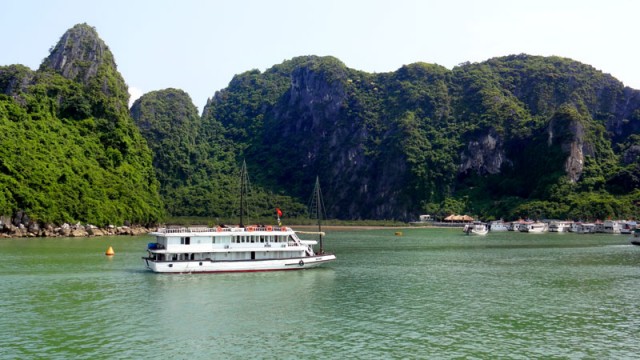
586,228
498,225
611,227
477,228
533,227
559,226
627,227
231,249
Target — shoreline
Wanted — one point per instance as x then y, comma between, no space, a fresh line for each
65,230
77,230
373,227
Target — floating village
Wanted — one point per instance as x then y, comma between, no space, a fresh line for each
472,226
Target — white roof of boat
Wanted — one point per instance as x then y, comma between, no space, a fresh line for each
273,230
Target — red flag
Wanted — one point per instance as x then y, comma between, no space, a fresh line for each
279,212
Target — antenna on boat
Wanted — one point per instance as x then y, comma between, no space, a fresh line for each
316,208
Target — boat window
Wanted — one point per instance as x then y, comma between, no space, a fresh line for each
185,240
161,241
224,239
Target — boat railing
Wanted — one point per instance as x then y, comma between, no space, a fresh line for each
221,229
187,230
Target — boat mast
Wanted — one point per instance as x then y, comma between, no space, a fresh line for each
317,209
244,180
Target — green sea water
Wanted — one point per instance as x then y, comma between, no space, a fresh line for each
430,294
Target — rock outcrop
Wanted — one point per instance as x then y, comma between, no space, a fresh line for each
79,54
83,57
484,155
66,230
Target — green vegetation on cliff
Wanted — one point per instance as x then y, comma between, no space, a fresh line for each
70,151
196,165
518,136
515,136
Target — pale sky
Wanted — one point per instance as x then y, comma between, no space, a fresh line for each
198,46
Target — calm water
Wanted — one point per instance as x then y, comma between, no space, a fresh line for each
430,293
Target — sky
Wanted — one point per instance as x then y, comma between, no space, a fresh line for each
198,45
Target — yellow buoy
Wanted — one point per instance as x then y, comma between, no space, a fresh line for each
110,251
398,233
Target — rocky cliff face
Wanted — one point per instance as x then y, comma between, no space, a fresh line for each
83,57
315,97
386,144
568,131
78,54
484,155
311,117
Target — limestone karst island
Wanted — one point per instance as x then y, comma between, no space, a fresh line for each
515,136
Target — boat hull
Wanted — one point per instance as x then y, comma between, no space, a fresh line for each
479,232
208,266
476,229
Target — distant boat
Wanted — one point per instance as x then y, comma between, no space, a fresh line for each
627,227
498,225
515,225
586,228
636,237
611,227
477,228
559,226
533,227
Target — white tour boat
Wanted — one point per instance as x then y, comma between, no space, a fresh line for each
231,249
627,227
498,225
611,227
586,228
534,227
559,226
237,248
477,228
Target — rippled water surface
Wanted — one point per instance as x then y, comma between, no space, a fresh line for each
430,293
